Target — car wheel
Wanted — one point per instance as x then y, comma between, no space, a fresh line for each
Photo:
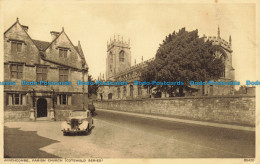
87,130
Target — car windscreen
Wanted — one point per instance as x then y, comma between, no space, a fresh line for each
76,114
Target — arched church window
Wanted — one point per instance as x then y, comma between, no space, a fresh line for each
124,91
222,57
122,56
118,92
131,91
111,61
139,90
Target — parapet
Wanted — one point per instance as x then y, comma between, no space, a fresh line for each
135,67
219,41
116,41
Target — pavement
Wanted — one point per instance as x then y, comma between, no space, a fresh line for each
203,123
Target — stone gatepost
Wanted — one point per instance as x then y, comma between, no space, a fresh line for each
32,114
52,116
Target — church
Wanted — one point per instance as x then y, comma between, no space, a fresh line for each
119,68
44,63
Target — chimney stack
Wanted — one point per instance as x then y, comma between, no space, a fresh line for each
25,28
54,35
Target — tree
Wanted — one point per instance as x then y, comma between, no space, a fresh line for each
92,89
185,57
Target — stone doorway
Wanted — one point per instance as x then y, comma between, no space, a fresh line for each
110,96
41,107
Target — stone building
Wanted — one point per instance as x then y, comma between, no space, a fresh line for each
29,60
228,75
118,68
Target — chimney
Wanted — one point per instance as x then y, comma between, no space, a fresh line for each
54,35
25,28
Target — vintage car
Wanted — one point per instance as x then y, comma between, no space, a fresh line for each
79,121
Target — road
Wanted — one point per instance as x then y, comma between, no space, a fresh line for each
123,136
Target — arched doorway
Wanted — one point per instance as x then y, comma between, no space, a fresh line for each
101,96
110,96
41,107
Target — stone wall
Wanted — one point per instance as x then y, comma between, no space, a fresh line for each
22,112
222,109
16,116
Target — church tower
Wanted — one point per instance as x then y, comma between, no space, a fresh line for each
118,56
224,52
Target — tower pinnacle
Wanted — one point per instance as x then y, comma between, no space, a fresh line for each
218,32
230,40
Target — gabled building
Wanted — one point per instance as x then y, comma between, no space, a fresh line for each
58,62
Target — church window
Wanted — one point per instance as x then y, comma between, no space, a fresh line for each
124,91
223,60
122,56
139,90
131,91
118,92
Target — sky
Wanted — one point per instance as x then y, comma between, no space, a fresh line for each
145,24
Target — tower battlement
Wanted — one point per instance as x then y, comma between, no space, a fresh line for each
219,41
117,41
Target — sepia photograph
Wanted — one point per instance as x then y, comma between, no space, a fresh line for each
103,81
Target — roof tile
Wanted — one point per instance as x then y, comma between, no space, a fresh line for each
41,45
